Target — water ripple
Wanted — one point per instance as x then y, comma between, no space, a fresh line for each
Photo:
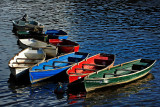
129,29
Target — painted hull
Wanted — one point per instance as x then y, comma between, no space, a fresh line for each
29,25
56,34
54,66
99,82
26,58
17,72
49,49
42,75
65,46
75,74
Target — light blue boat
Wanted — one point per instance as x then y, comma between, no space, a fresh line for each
55,66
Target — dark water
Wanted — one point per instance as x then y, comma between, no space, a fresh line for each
128,28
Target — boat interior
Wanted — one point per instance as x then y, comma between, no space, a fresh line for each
124,69
93,64
28,58
63,61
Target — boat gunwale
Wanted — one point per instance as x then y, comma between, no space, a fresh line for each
24,43
43,59
87,78
58,67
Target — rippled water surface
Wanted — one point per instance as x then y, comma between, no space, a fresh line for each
130,29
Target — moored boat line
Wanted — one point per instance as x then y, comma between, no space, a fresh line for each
54,66
96,71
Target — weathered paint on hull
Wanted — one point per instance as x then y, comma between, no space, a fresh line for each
17,72
51,52
42,75
104,82
66,49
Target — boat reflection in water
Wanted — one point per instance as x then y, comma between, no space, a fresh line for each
120,91
105,95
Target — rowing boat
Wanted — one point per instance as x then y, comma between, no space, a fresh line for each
90,65
25,59
55,66
20,25
65,46
56,34
120,74
49,49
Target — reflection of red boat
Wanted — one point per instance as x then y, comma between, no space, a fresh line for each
73,98
90,65
65,46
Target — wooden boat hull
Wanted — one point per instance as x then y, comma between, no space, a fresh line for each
27,26
49,49
91,65
99,82
65,46
56,34
43,75
54,66
17,72
26,58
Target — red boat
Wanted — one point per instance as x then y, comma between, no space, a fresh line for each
65,46
90,65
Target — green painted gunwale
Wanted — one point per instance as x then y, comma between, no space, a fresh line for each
96,80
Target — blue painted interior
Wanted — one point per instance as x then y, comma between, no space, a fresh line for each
72,57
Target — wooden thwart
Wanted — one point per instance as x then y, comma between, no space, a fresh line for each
64,62
85,69
24,63
127,70
51,66
95,65
112,74
27,59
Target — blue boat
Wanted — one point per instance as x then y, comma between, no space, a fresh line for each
56,34
55,66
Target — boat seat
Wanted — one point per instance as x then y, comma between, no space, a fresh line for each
94,65
27,59
138,67
55,41
146,61
85,69
24,62
102,61
50,66
74,59
78,73
21,22
63,62
122,71
109,75
127,70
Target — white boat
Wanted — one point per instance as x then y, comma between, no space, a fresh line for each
26,58
49,49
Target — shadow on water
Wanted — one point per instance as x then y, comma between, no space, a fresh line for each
41,89
24,81
110,93
47,89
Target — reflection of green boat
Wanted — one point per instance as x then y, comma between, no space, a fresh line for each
119,74
119,91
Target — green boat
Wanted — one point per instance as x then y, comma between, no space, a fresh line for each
120,74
